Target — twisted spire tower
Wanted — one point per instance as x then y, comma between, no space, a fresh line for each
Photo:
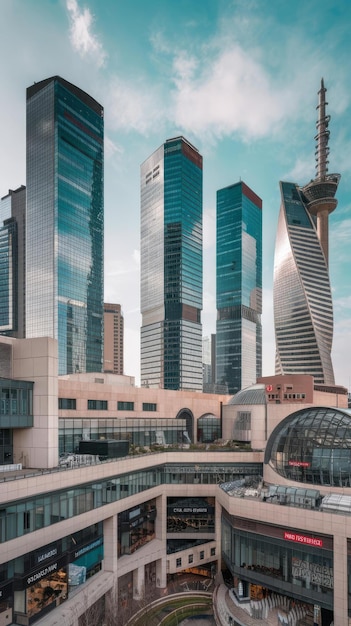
303,308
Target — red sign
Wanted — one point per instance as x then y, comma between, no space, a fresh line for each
299,463
269,387
309,541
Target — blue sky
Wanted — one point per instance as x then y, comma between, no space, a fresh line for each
239,79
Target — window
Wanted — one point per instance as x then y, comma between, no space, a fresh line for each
178,562
66,403
97,405
149,406
26,520
243,421
202,555
125,406
190,558
213,551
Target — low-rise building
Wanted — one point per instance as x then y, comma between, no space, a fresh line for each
255,487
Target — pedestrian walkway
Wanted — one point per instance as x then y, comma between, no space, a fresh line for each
273,611
202,620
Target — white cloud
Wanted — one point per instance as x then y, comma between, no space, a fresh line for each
231,94
209,228
136,257
302,171
133,106
82,38
111,147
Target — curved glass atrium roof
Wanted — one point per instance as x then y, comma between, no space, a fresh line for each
256,394
313,446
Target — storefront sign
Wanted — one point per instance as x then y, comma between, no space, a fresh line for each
207,469
313,572
6,591
299,464
189,509
46,553
42,573
87,548
310,541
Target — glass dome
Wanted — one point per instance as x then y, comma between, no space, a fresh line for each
313,445
256,394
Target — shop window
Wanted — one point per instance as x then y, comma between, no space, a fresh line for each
26,520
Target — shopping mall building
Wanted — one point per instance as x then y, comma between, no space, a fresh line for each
254,487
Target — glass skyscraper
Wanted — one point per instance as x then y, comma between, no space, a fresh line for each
303,309
64,251
171,267
12,263
239,287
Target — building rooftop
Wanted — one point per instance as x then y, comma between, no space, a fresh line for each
255,394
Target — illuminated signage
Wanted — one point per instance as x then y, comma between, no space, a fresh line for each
299,463
309,541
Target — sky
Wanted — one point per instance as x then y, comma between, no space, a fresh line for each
238,78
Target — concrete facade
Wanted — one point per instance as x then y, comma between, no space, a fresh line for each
44,513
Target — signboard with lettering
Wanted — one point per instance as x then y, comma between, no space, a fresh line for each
299,464
46,553
193,510
313,572
304,539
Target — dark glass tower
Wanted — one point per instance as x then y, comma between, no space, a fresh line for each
303,308
64,258
239,287
171,267
12,263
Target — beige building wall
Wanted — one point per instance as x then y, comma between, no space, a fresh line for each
36,360
307,521
169,404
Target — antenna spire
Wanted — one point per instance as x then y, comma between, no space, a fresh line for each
322,136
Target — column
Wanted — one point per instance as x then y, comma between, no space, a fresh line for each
138,583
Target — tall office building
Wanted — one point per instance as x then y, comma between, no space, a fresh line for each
64,255
171,267
239,287
12,263
113,339
303,309
206,362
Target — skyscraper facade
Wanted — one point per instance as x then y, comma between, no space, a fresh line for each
239,287
171,267
303,310
64,243
113,338
12,263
